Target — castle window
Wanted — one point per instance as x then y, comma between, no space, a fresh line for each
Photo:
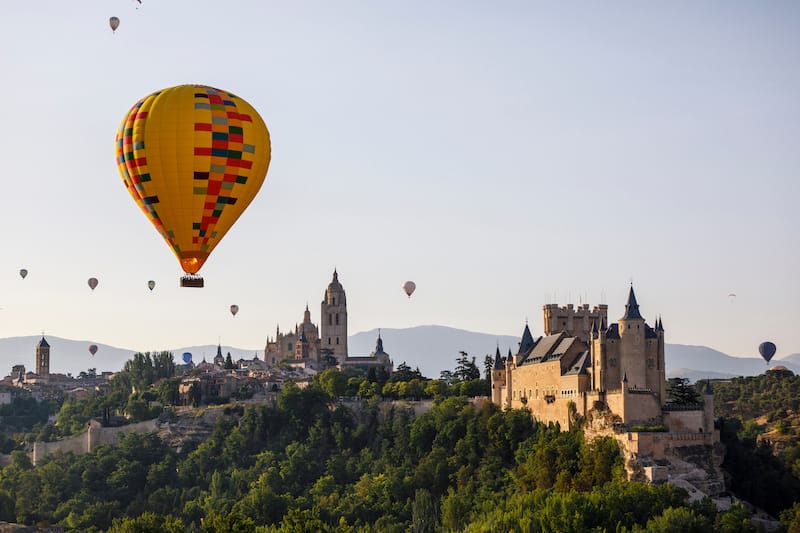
337,340
330,319
329,340
649,363
334,301
337,319
612,362
290,346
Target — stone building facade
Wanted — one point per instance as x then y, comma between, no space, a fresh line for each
310,345
583,363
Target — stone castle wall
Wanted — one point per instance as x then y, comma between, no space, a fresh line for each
86,442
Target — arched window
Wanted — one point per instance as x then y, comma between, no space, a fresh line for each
337,340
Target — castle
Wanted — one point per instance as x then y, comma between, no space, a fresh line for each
613,377
581,361
309,345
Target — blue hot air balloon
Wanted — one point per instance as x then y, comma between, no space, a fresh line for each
767,350
187,357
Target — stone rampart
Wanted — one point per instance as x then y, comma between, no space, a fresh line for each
86,442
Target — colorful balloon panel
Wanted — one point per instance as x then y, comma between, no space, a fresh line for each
193,158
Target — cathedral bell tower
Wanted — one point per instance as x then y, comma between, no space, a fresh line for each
334,320
43,358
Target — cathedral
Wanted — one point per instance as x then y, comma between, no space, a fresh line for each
310,344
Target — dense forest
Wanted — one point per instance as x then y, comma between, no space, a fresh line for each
310,463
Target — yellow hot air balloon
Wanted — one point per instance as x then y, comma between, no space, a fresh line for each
193,158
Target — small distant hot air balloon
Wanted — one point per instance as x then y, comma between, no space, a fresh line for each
92,349
409,287
23,272
187,357
151,284
767,350
234,309
92,283
114,23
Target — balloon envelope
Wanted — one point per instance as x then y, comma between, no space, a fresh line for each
767,350
151,284
193,158
114,23
23,272
92,349
92,283
187,356
409,287
234,309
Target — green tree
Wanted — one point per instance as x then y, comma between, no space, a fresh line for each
466,369
681,392
424,514
678,520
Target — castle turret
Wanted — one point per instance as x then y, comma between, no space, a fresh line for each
498,376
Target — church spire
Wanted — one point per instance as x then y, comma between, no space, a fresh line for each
632,308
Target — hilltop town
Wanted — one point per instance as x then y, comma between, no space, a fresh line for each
297,355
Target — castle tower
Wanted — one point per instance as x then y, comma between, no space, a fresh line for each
334,320
575,322
498,378
632,358
43,358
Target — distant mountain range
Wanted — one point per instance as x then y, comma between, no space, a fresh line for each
429,348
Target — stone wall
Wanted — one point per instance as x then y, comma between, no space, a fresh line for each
86,442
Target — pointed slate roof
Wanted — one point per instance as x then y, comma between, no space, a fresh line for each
660,325
580,365
379,345
526,344
219,350
632,308
498,361
43,343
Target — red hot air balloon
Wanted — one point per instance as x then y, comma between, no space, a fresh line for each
234,309
767,350
92,283
92,349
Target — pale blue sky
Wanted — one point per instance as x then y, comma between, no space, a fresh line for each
501,155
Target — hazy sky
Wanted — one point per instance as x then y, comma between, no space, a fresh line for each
502,155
